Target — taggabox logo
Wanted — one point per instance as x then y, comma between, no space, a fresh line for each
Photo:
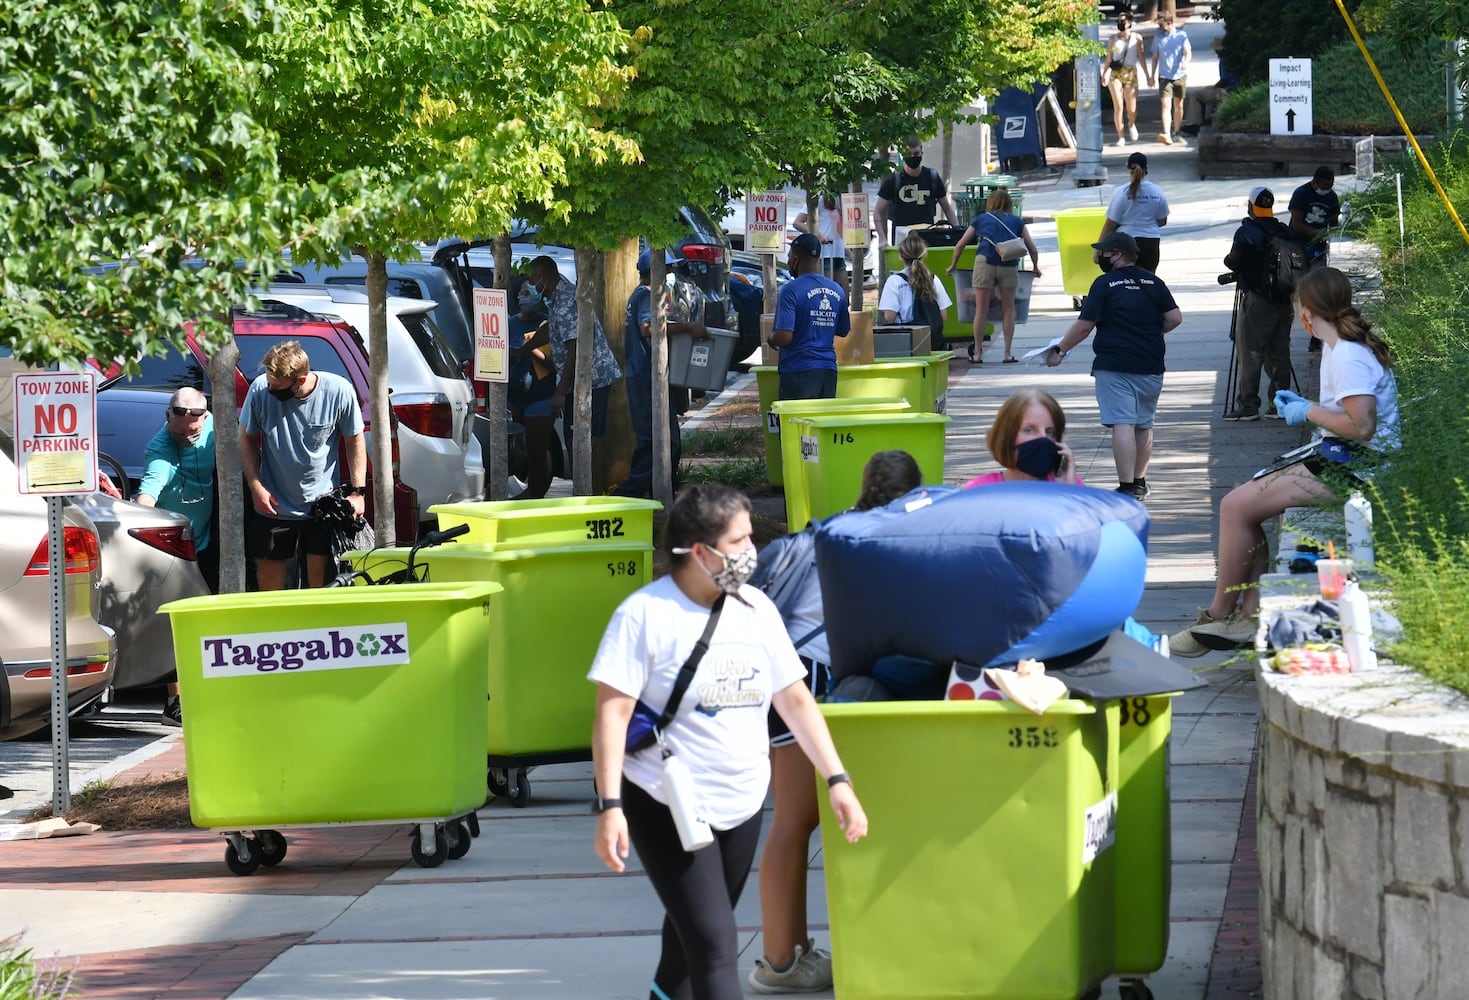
345,647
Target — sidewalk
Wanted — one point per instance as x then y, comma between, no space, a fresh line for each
530,914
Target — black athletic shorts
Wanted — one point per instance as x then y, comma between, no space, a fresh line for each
273,538
818,676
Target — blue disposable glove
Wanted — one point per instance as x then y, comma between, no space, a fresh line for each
1291,406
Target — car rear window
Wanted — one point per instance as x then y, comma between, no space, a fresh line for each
431,344
405,288
174,370
321,353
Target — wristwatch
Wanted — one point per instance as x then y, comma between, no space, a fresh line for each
355,491
601,805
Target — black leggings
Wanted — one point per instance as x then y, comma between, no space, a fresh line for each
700,959
1148,248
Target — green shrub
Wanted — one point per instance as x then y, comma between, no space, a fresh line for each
21,980
1261,30
1345,95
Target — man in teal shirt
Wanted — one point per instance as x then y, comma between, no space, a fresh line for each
178,475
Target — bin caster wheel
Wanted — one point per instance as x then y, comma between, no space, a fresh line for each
271,847
441,850
241,861
472,820
497,779
459,839
1134,989
519,791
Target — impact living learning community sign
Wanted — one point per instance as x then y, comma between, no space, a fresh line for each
1290,97
56,432
491,335
765,222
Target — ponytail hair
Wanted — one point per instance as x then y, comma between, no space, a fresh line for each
1327,293
1137,171
913,249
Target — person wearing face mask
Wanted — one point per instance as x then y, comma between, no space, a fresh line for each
1026,439
532,384
1356,424
1314,209
718,731
1262,323
178,475
293,423
912,195
1130,309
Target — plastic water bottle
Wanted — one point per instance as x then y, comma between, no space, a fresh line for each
1356,628
1358,513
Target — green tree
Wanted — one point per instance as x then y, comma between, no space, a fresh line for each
433,117
133,183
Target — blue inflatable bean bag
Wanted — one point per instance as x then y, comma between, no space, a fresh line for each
983,576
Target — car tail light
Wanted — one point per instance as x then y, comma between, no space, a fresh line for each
94,665
434,419
706,254
82,553
176,540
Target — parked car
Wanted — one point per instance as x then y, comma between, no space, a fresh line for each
25,608
147,560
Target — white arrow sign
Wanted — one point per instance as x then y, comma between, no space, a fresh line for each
1290,97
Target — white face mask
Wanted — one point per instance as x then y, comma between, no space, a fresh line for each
738,567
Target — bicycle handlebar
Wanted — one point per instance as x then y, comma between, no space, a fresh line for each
440,537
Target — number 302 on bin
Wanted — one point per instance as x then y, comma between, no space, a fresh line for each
604,527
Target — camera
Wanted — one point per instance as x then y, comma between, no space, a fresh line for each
1228,278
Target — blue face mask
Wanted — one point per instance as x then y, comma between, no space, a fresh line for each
531,299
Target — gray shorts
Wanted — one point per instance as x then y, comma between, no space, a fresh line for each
1128,398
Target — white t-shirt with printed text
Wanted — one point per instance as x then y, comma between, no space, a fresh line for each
720,729
1351,369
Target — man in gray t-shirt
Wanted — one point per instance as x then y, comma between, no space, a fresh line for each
291,426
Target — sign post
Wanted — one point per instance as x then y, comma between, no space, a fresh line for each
765,234
1290,97
491,335
857,220
55,457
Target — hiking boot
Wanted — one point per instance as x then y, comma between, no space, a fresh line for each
810,972
1242,413
1234,630
173,711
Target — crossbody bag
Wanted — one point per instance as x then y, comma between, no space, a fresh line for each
644,727
1011,249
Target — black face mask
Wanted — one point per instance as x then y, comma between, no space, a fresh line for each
1038,457
284,395
913,160
1105,263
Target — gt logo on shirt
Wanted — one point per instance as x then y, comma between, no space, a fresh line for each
345,647
913,194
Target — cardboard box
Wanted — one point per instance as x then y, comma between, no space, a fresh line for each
901,340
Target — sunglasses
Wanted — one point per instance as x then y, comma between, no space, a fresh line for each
187,411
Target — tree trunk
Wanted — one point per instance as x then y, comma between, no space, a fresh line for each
380,456
616,276
662,455
586,316
227,467
497,462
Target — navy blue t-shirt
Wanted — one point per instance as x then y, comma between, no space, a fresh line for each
639,349
1127,305
991,228
814,309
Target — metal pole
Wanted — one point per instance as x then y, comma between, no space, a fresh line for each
1402,230
1089,171
56,575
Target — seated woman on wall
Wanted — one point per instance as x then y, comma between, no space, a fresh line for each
1357,421
1026,440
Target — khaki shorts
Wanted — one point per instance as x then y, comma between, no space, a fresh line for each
987,275
1173,88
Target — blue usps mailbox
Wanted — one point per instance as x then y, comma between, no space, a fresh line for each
1017,133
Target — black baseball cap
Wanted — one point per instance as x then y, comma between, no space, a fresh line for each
1116,240
1140,159
807,244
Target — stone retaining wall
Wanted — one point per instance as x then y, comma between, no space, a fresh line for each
1234,154
1363,835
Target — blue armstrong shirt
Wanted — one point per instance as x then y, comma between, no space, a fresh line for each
1127,305
639,352
814,309
180,477
299,438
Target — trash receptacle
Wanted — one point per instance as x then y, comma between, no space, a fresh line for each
1076,230
542,634
783,409
935,385
989,869
977,190
340,705
833,449
551,520
1144,834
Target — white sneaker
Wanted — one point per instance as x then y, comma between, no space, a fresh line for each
809,973
1121,142
1132,132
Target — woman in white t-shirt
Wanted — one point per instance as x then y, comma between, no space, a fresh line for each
1126,56
1140,209
829,231
915,283
718,732
1357,424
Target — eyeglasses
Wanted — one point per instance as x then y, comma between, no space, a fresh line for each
187,411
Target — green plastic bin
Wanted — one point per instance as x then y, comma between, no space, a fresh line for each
935,387
334,706
834,449
543,634
1144,834
551,521
1076,230
989,869
912,379
785,409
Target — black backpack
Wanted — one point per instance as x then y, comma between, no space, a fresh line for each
1282,265
928,311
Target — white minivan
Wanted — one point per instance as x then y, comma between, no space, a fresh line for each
433,401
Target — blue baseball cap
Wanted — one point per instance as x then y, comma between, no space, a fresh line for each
645,262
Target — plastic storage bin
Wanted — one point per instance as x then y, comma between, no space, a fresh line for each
990,868
353,705
1144,834
935,385
832,450
783,409
552,521
1076,230
896,378
967,299
702,364
542,636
